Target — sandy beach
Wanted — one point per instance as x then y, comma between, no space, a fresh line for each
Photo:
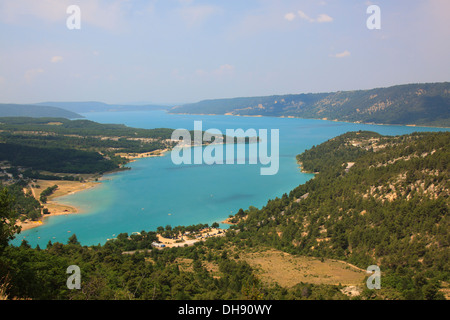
54,207
69,187
133,156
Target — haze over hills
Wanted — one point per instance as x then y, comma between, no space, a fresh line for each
426,104
69,110
95,106
36,111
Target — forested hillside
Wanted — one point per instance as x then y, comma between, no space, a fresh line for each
60,145
425,104
376,201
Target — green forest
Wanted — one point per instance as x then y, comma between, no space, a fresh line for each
390,209
55,145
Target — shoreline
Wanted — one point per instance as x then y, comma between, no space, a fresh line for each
53,205
294,117
65,188
135,156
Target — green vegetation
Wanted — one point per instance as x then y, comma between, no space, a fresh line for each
42,146
390,208
426,104
80,128
47,192
56,145
8,228
111,271
56,159
337,150
23,204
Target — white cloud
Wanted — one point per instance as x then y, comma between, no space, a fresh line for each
321,18
304,16
343,54
56,59
324,18
32,73
289,16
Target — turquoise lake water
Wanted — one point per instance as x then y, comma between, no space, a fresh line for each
156,192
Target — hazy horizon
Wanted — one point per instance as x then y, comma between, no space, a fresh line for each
168,104
192,50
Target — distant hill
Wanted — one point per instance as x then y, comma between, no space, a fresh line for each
95,106
36,111
425,104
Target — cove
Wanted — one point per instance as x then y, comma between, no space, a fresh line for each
156,192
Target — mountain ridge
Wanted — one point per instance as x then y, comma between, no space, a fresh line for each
37,111
97,106
421,104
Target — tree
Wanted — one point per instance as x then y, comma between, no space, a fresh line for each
73,240
431,291
43,198
160,229
8,227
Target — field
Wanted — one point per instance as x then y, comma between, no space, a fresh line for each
274,266
288,270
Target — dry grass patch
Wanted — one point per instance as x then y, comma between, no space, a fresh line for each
288,270
184,264
64,187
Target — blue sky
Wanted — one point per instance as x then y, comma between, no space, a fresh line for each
176,51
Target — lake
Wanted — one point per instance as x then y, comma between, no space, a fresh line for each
156,192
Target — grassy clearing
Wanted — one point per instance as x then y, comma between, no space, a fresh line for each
288,270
